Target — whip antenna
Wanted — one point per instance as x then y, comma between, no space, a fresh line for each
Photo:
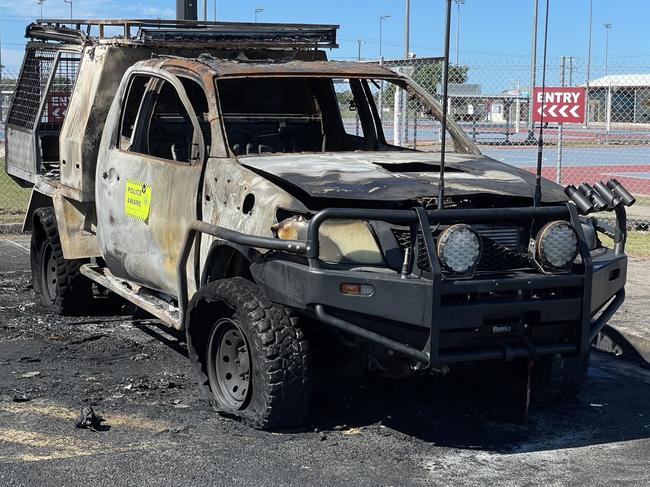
540,140
445,83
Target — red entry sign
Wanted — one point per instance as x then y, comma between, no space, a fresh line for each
558,104
57,106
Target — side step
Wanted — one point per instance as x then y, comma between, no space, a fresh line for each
138,295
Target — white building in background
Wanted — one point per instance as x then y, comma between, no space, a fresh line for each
626,95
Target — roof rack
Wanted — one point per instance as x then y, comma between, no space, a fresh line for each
183,33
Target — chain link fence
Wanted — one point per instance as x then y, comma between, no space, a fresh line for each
13,198
491,103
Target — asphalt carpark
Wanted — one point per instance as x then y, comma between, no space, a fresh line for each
458,430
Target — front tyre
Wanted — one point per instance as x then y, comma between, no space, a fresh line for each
557,377
249,356
57,281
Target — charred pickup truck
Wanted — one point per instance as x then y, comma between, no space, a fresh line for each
232,182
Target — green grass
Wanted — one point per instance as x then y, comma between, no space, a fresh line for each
637,245
13,198
643,200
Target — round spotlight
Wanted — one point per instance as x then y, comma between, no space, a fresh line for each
459,248
557,246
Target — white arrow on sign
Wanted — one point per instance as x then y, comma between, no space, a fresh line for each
558,111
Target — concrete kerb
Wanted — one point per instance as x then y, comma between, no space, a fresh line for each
624,342
10,228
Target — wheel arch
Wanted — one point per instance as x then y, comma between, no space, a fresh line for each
226,260
36,200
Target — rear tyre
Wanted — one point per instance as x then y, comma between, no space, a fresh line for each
556,377
57,282
249,356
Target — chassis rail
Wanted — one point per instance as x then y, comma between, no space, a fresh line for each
421,219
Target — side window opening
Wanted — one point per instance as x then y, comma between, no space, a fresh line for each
134,97
199,102
156,123
171,133
348,108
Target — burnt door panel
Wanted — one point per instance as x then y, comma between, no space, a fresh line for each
148,184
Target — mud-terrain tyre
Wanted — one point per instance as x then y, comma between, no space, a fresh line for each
57,282
556,377
249,356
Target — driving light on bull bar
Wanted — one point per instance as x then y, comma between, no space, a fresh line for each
459,248
556,246
341,241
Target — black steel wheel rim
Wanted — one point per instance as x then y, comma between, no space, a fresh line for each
229,367
48,273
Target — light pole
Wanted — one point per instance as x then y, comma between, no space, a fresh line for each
407,27
40,4
70,2
258,11
607,27
458,4
381,20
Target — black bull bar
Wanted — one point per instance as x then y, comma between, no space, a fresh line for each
430,355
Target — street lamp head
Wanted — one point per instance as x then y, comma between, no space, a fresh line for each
259,10
384,17
608,26
460,2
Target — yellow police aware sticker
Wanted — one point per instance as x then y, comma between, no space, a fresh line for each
137,199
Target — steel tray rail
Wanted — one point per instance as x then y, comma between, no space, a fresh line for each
420,220
184,33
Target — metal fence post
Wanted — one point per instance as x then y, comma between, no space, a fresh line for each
381,94
398,114
2,93
560,130
608,110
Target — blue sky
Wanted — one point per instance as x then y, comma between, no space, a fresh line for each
491,31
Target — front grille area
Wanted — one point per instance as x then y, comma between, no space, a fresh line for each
504,248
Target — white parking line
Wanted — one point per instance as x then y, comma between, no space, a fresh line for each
21,247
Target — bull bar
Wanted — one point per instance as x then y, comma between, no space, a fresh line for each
430,355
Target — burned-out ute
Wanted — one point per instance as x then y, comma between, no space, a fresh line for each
231,181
